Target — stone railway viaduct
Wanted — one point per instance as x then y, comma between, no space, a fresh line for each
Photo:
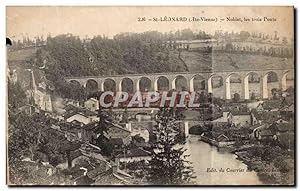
206,76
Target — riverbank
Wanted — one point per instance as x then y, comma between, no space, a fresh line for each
274,171
223,145
208,162
270,163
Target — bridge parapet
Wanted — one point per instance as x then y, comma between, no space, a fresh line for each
189,77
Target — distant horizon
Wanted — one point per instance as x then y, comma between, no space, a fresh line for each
110,21
112,37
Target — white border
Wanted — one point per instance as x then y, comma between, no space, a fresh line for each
106,3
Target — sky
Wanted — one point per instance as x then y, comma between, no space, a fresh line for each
109,21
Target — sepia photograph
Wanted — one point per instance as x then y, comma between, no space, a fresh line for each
150,96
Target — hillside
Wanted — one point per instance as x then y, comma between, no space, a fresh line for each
22,54
218,61
66,55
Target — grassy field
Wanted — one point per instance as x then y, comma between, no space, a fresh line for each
21,55
197,61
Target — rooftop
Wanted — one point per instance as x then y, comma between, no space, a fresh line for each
137,152
266,132
82,111
239,112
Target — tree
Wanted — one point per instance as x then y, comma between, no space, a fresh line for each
253,97
168,165
290,91
125,116
244,35
284,40
275,93
24,135
187,34
236,97
137,138
29,134
16,95
68,147
203,98
102,130
54,146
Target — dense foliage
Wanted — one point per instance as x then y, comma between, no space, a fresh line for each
168,165
16,96
67,55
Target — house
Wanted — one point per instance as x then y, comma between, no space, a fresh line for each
241,118
138,141
74,131
71,108
83,115
82,157
141,129
281,121
83,180
72,102
265,131
117,143
281,127
92,104
266,116
143,117
287,140
117,132
57,116
88,132
270,105
79,131
240,133
55,127
260,107
266,134
29,109
42,100
224,141
224,118
222,137
89,168
91,150
113,176
287,111
253,130
234,106
39,174
134,155
102,167
284,127
78,175
42,85
118,136
253,104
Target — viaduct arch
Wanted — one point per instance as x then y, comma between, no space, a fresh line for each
250,82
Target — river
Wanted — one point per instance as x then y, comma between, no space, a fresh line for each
204,156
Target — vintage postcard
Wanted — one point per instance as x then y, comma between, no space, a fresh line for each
147,96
